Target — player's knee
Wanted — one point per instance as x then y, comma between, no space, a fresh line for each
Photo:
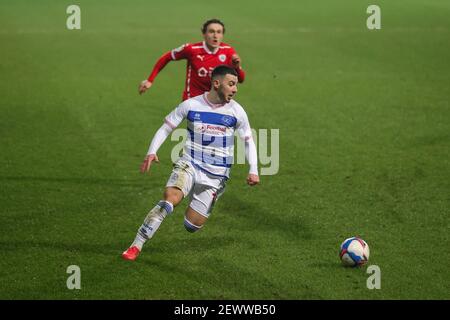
191,227
173,195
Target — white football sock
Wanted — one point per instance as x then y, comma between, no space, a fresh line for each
152,222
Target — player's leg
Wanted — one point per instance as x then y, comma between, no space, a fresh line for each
172,197
193,220
179,185
202,203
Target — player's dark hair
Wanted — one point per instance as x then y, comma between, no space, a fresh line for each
207,23
223,70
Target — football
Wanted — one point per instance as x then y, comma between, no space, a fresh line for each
354,252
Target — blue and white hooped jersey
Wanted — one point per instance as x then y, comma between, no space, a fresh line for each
211,128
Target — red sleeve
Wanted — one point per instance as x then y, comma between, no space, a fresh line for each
182,52
160,64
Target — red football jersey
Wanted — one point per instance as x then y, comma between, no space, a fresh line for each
200,63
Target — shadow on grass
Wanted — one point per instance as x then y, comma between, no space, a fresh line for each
194,245
67,246
196,261
139,183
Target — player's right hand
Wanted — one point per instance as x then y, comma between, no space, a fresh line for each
144,86
236,61
145,166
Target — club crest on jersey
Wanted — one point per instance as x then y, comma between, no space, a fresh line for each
222,57
227,120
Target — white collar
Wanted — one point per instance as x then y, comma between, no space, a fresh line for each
209,51
212,105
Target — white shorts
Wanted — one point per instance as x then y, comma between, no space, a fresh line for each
202,188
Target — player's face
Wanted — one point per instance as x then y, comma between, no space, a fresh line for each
227,87
213,35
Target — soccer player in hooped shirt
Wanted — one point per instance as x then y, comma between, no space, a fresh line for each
202,58
202,170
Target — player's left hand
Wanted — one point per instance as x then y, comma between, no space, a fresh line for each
252,179
236,61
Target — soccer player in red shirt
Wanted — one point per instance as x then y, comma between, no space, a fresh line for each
202,58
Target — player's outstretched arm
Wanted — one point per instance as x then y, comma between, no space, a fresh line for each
170,122
159,138
160,64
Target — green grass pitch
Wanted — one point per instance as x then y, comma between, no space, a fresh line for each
364,124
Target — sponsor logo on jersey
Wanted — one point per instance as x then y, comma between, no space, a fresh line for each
202,72
215,130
